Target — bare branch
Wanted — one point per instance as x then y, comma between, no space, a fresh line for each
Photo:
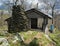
16,2
50,4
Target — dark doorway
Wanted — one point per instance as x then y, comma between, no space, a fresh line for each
34,23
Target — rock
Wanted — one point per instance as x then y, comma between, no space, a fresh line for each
18,37
29,32
4,42
39,35
48,37
46,30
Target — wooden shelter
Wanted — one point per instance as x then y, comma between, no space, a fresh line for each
38,19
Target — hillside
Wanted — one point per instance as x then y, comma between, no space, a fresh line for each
30,38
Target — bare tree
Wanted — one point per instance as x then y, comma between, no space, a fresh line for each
9,6
1,18
50,5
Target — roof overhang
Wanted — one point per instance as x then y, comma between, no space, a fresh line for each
38,12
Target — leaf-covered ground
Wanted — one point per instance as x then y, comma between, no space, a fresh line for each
56,37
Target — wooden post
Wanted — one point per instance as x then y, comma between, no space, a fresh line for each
45,22
46,27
